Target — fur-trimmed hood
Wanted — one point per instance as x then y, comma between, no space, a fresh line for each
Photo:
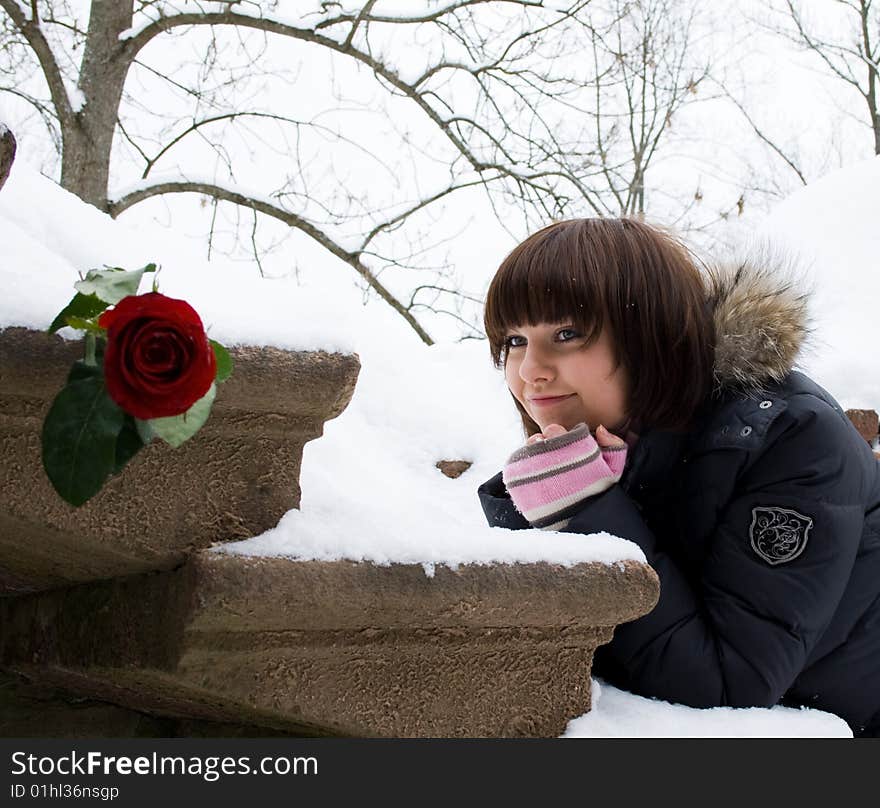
760,310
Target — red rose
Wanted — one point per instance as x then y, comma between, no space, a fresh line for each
158,360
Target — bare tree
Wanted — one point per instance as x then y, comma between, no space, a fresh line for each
473,94
646,71
846,41
841,38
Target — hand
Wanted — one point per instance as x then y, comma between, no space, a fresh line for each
551,431
604,438
545,481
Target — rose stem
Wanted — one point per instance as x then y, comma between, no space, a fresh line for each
90,350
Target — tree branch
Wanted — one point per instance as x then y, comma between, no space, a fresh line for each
45,113
818,48
433,17
362,15
381,70
414,208
48,64
764,138
136,43
265,207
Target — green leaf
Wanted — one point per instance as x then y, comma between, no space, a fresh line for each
224,361
81,306
79,439
128,443
112,284
80,370
180,428
85,325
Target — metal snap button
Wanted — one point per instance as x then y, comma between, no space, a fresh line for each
765,404
746,431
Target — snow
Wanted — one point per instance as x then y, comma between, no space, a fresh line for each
412,406
618,714
370,488
831,226
155,179
68,238
253,12
77,99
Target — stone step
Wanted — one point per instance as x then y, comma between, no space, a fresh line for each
234,479
29,710
339,648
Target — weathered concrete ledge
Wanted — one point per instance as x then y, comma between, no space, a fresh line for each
867,423
336,648
234,479
30,710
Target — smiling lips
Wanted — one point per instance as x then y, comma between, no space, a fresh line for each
546,401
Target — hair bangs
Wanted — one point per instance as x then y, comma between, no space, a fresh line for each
543,281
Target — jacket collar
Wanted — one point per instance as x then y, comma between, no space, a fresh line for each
761,323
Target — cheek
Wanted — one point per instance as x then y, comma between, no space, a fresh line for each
604,389
617,394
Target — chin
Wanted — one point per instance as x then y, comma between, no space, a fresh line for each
566,423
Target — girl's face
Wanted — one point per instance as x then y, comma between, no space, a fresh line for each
558,380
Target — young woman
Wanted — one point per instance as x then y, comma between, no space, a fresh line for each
661,406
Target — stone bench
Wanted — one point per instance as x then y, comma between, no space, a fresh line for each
120,603
234,479
334,648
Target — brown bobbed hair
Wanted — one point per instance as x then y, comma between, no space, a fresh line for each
633,278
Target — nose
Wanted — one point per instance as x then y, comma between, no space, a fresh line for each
536,366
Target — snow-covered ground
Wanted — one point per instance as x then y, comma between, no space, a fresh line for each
370,488
831,227
618,714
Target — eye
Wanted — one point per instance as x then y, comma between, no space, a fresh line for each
567,334
514,341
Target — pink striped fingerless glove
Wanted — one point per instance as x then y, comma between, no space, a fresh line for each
548,481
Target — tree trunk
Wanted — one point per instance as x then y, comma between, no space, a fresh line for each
88,140
7,153
872,107
867,47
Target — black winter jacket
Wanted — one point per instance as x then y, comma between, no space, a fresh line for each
762,522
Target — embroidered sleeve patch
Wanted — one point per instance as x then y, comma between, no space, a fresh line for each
779,535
